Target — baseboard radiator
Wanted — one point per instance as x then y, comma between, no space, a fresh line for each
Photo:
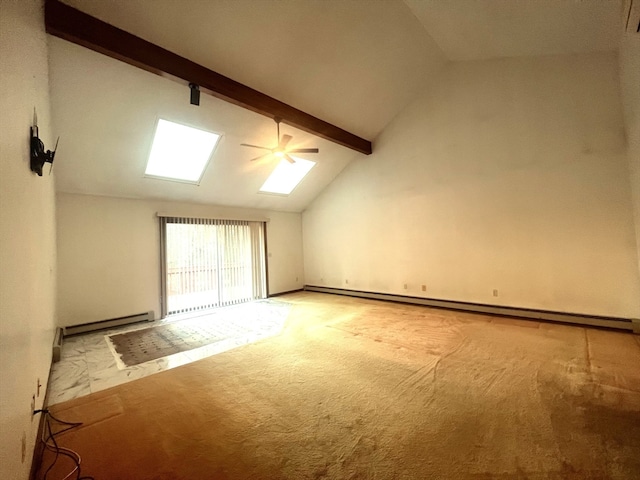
110,323
586,320
57,345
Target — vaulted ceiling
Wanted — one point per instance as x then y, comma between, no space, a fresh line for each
352,63
483,29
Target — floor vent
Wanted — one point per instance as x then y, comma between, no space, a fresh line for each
585,320
110,323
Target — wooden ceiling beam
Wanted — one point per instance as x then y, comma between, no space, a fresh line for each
78,27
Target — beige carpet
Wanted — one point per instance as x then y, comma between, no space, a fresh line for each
357,389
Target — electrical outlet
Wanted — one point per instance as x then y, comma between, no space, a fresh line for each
405,286
346,281
321,280
495,292
424,288
296,279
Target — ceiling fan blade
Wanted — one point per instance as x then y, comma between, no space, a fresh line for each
289,159
304,150
261,156
284,141
254,146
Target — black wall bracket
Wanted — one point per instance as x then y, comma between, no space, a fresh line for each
38,154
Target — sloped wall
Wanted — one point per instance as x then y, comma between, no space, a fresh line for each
27,234
507,175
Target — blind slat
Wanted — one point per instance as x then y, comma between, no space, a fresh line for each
212,262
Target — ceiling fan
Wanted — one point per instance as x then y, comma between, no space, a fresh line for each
280,150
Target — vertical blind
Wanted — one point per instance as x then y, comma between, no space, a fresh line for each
210,263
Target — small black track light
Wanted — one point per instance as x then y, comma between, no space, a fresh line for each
195,94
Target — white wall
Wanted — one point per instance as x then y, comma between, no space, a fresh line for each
109,255
630,87
506,174
27,234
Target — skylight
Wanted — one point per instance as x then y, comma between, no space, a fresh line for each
287,176
179,152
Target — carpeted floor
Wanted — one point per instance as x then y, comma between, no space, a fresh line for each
359,389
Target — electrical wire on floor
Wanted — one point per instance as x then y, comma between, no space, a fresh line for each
49,441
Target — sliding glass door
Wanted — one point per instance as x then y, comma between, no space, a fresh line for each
210,263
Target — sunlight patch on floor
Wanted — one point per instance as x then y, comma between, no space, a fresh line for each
89,364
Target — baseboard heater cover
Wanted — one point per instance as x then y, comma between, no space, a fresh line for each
593,321
57,345
279,294
110,323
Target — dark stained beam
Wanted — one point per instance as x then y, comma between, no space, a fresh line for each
78,27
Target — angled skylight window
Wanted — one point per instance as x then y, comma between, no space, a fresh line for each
179,152
287,176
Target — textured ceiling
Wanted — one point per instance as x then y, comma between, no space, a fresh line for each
105,112
353,63
483,29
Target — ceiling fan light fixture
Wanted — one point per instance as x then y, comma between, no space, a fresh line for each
281,151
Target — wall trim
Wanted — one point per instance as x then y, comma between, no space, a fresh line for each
286,293
572,318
